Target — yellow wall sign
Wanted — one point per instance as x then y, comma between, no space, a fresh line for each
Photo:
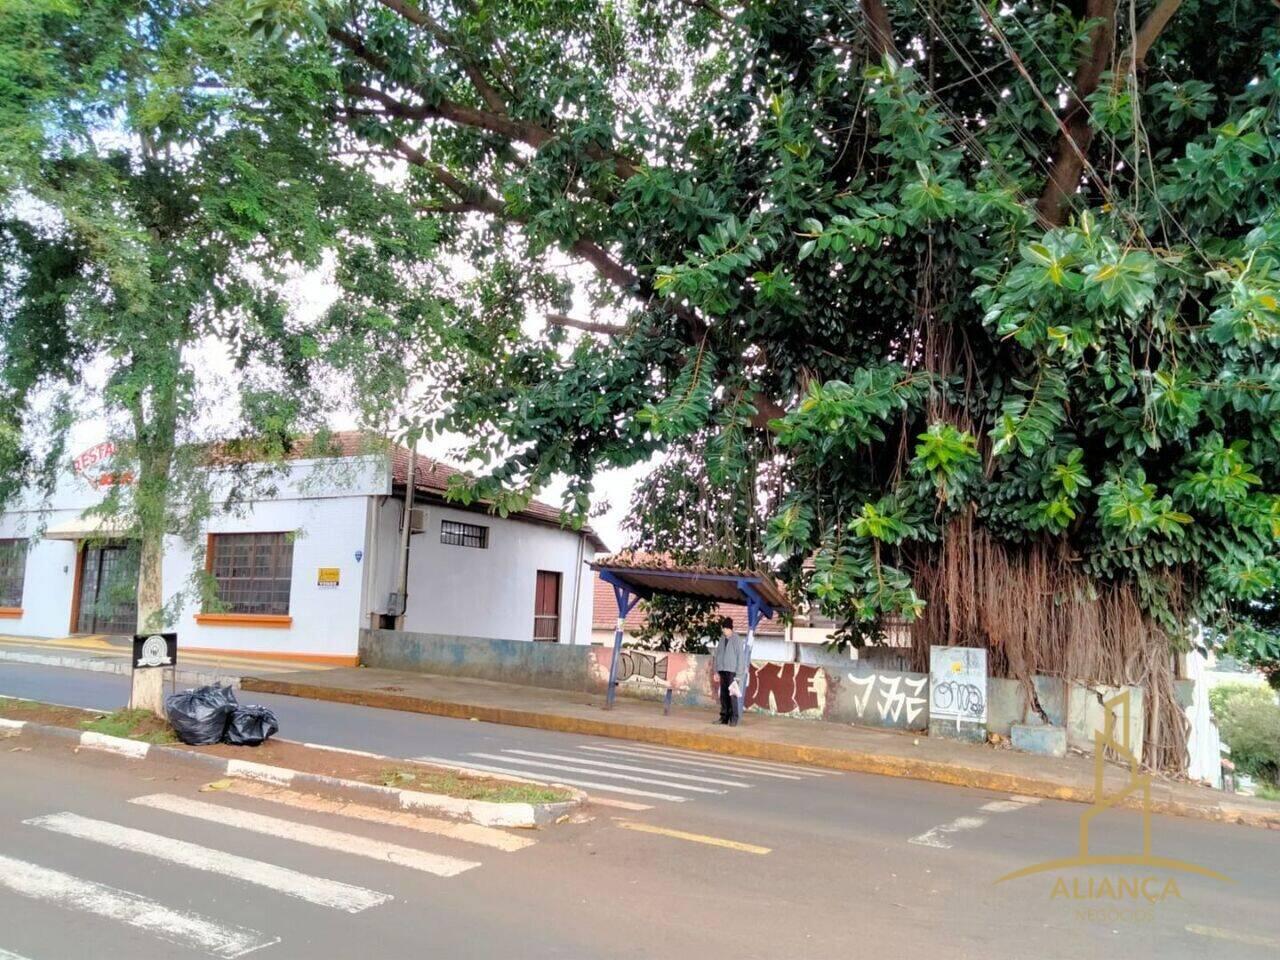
328,576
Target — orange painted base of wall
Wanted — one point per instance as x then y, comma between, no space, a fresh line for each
324,659
10,613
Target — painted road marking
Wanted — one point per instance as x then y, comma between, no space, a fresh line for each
501,758
937,836
433,863
657,756
627,766
176,926
453,830
326,893
694,837
723,760
621,804
8,955
1002,806
752,762
1220,933
595,784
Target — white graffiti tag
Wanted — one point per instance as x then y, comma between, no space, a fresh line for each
894,701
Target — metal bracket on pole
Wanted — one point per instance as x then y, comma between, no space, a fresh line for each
626,598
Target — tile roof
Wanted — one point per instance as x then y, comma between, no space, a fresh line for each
431,476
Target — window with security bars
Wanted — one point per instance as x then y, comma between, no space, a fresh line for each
13,571
457,534
253,571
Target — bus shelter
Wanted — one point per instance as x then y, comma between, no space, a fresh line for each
637,578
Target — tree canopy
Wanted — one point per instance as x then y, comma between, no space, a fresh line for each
150,212
977,304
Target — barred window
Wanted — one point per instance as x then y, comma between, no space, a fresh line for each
253,571
464,534
13,571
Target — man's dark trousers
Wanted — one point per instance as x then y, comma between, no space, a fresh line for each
728,713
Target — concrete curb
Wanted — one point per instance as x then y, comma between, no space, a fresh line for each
116,665
854,761
483,812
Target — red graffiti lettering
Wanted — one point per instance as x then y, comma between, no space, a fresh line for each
783,687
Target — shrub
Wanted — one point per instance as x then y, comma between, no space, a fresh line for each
1250,726
1221,695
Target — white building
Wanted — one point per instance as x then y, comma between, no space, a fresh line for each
301,569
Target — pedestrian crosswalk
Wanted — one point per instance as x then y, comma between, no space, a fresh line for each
92,890
638,772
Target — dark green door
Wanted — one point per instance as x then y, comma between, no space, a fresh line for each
108,590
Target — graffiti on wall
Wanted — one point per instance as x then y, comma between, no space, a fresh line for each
896,699
787,688
648,673
642,666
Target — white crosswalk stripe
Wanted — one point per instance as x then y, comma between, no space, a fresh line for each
716,764
292,883
176,926
716,759
626,766
452,829
570,781
360,846
9,955
546,764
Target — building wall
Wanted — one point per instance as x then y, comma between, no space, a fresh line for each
326,620
489,593
325,505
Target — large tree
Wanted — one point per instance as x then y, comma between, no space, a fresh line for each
151,212
993,287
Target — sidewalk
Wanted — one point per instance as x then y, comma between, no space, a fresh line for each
97,653
840,747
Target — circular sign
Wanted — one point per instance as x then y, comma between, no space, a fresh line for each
155,652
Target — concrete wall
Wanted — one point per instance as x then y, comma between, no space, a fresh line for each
472,592
849,691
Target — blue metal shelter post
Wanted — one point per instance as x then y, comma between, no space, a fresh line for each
756,608
626,598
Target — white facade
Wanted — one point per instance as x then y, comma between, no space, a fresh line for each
448,584
341,514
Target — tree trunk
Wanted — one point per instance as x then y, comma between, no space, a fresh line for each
148,684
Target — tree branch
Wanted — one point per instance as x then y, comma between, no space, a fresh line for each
449,110
879,28
1151,28
591,326
492,99
1076,134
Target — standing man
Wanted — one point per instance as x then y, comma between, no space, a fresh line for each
729,665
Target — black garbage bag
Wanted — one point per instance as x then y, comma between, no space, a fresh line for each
250,725
200,716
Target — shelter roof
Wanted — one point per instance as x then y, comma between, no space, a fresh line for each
649,573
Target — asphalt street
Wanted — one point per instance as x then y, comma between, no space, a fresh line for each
684,855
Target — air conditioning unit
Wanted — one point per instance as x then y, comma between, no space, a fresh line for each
418,520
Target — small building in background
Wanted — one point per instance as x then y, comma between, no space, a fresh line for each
304,562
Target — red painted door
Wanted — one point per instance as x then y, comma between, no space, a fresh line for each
546,607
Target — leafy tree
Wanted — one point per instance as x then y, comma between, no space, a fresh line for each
151,212
995,286
1249,718
686,511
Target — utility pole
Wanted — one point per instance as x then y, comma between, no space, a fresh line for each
406,525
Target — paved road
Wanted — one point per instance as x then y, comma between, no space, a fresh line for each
784,862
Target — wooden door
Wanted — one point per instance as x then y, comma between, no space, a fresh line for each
546,607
